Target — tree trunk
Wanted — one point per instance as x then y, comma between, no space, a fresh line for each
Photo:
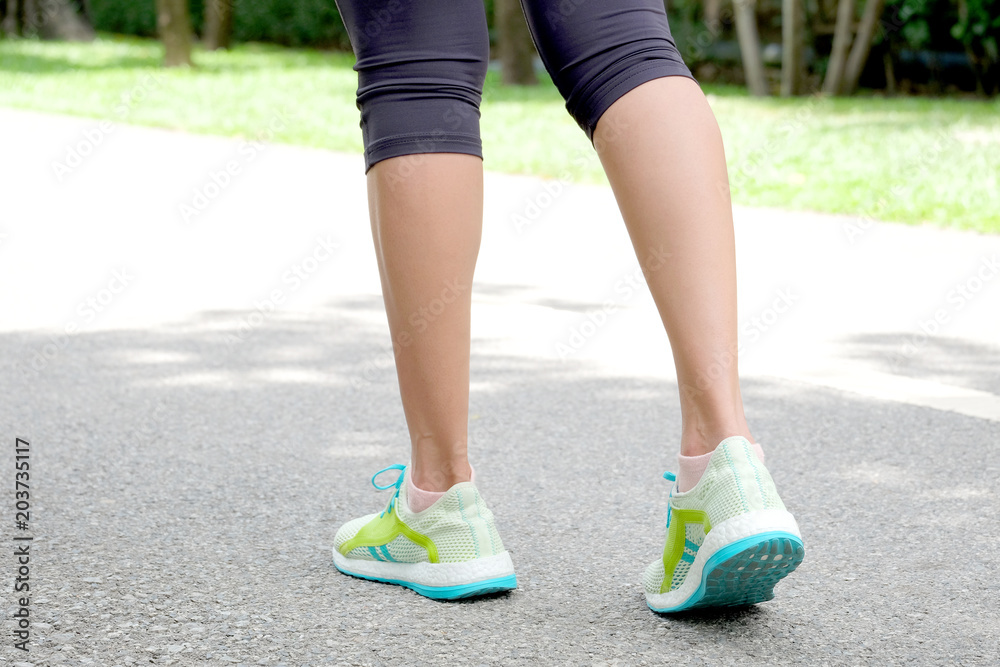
58,19
25,17
746,31
517,52
15,17
842,37
712,9
218,24
841,45
890,73
174,23
862,45
793,33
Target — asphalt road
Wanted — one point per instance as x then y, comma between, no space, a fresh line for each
191,461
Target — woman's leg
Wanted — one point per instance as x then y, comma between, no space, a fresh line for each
426,226
421,67
626,85
662,151
729,537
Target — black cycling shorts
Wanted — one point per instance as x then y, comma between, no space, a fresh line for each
421,64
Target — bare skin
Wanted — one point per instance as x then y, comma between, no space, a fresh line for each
427,211
662,151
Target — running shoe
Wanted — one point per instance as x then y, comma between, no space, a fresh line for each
448,551
729,539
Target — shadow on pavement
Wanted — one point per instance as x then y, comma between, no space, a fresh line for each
931,357
187,490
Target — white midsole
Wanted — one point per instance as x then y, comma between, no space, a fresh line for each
430,574
727,532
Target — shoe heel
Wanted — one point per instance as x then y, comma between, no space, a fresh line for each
745,572
496,585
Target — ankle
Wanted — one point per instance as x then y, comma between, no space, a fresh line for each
438,478
418,499
699,443
690,469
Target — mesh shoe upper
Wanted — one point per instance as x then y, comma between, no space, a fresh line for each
458,527
735,482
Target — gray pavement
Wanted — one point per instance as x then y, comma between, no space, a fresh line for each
207,398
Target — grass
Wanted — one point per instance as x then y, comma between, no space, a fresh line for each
911,160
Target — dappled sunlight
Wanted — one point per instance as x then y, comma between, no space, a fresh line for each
151,356
196,444
295,376
886,475
220,380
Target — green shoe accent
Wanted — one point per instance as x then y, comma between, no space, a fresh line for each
729,539
673,550
383,529
449,550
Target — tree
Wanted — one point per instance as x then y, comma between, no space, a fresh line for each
517,52
841,46
174,24
848,59
48,19
746,31
978,29
793,33
218,24
712,10
862,46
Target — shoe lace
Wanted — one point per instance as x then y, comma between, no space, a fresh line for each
670,477
398,484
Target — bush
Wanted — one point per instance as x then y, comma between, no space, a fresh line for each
287,22
978,29
290,23
949,26
126,17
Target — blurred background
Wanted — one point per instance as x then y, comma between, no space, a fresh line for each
884,109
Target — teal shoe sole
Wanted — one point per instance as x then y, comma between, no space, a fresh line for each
744,572
496,585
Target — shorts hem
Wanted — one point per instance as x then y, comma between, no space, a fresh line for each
421,143
625,82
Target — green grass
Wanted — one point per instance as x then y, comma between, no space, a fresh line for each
910,160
